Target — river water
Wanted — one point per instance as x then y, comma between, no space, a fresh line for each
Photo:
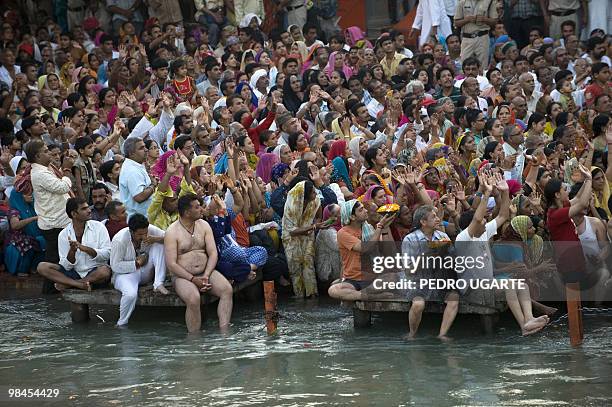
318,359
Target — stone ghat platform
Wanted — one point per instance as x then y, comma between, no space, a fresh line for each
487,304
80,299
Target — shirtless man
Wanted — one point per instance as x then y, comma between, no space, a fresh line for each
191,256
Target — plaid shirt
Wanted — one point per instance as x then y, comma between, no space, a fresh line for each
524,9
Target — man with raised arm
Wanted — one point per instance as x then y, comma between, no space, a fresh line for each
191,256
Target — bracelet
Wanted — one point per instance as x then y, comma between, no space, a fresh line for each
379,226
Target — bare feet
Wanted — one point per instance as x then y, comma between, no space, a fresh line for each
444,338
60,287
409,337
162,290
79,284
549,311
535,325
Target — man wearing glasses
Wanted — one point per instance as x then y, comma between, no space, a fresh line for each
513,148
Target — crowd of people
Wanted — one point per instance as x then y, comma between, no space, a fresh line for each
143,145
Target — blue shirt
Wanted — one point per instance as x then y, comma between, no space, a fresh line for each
133,179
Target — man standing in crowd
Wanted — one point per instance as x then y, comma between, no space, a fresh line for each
135,185
51,191
475,18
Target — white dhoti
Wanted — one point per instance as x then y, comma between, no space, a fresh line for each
155,269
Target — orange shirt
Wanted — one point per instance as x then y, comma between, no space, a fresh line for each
351,260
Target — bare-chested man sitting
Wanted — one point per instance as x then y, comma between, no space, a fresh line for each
191,256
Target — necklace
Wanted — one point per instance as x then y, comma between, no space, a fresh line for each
192,233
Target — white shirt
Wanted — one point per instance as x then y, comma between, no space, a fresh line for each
578,96
477,246
114,191
533,101
50,196
517,171
95,236
431,13
374,107
483,82
122,252
5,76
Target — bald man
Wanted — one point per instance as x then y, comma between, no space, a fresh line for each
519,105
527,82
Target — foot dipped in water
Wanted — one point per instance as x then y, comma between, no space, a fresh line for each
409,336
162,290
534,325
445,338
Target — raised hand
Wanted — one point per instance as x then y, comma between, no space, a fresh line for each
314,98
499,182
167,100
585,172
122,51
345,125
118,127
5,156
411,176
535,198
451,205
485,183
184,160
121,102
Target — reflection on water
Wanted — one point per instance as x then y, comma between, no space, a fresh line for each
318,359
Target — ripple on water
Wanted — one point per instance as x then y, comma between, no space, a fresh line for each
317,359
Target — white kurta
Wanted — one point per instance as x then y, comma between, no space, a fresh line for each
431,13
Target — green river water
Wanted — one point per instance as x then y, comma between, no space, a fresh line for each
318,359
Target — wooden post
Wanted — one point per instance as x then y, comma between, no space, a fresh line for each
79,312
270,306
574,314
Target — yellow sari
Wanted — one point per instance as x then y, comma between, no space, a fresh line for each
300,250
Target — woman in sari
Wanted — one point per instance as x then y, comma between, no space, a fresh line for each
158,170
24,244
376,163
601,191
521,253
336,62
327,258
341,173
264,166
244,90
466,148
298,238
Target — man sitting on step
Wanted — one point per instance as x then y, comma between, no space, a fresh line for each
137,255
84,250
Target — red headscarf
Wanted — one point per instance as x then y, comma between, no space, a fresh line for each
338,149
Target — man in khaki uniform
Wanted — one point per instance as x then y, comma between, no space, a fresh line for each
564,10
475,18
